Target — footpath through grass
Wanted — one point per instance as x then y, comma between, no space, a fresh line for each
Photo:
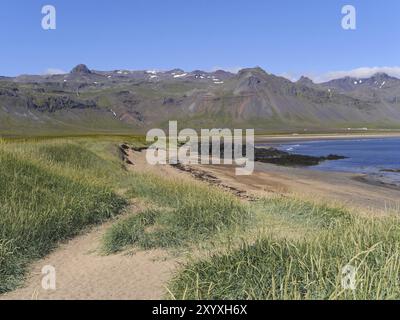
50,191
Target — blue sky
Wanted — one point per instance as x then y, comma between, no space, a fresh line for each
289,37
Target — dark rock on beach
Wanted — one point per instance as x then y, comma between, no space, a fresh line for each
283,158
391,170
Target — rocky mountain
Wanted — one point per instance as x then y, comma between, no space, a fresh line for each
380,88
305,81
81,69
87,100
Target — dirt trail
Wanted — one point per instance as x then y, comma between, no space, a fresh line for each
82,272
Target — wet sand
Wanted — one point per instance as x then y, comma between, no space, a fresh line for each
346,189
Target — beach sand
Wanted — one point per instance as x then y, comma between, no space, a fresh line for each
356,191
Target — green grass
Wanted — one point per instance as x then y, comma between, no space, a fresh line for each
50,191
298,212
278,248
187,213
277,266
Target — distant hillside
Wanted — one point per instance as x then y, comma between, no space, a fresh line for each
85,101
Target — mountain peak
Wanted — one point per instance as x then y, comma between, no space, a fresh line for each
256,70
222,72
177,70
381,75
305,80
81,69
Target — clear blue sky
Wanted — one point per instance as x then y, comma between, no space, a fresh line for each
282,36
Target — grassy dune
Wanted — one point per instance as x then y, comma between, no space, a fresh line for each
279,266
184,213
275,248
49,192
279,248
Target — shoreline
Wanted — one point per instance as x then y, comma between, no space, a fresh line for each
350,190
374,181
321,137
380,178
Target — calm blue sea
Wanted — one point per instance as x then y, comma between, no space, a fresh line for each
368,156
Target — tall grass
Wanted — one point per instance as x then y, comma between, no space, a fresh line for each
187,212
301,213
276,267
280,248
49,192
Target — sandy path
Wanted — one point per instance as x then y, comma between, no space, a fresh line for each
82,272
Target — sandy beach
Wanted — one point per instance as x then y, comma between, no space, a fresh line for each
355,191
362,192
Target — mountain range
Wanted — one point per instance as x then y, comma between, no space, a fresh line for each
124,101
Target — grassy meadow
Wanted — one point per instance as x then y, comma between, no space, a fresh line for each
274,248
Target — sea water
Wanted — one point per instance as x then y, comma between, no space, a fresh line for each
368,156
